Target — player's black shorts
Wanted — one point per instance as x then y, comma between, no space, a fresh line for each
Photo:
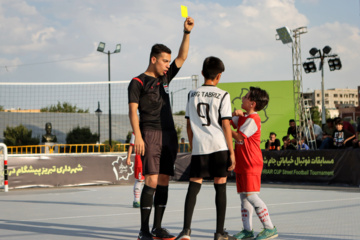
160,152
210,165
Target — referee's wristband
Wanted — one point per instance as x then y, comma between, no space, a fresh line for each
187,32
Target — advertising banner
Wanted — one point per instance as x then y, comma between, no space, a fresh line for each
312,166
68,170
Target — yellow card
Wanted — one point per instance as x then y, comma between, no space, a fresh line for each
184,12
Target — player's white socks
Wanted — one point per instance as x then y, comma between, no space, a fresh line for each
261,210
246,212
137,189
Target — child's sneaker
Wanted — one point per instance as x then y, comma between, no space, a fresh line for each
184,235
224,236
267,234
144,236
245,234
162,233
136,204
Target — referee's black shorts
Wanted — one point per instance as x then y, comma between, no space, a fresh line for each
160,152
210,165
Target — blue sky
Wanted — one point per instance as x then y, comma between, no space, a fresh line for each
56,41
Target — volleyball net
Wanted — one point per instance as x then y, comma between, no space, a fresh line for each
68,105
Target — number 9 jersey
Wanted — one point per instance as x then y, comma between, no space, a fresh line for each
207,106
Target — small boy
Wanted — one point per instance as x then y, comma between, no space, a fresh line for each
249,164
139,177
341,136
302,145
208,114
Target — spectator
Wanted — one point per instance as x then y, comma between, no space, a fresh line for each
302,145
328,131
346,126
273,144
292,130
342,138
183,147
287,144
358,129
356,143
313,133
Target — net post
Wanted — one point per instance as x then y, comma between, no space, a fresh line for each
6,186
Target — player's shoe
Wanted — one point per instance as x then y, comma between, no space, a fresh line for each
162,233
184,235
267,234
145,236
224,236
244,234
136,204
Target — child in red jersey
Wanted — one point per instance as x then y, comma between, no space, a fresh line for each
249,163
139,177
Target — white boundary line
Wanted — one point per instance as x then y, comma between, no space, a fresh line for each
169,211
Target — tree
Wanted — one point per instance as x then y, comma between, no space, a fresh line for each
1,108
81,136
315,115
182,112
18,136
128,137
178,131
116,148
64,107
327,113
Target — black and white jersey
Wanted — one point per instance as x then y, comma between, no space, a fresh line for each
206,108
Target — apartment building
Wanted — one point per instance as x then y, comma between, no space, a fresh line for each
334,98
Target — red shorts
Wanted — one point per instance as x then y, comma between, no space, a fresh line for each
138,168
248,183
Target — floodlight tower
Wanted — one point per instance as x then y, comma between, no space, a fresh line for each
101,48
334,64
293,36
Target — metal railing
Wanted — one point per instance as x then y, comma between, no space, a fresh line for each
78,148
67,148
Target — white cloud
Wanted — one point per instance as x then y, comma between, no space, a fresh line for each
242,35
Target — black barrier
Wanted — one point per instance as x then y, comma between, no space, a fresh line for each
319,166
312,166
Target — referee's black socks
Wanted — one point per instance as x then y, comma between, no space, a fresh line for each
160,201
146,201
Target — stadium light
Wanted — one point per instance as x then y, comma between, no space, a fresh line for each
284,34
313,51
98,113
334,64
101,49
309,67
326,49
118,48
171,95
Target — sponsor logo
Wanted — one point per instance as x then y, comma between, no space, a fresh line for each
166,88
121,169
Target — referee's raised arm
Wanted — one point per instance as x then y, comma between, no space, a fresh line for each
184,47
